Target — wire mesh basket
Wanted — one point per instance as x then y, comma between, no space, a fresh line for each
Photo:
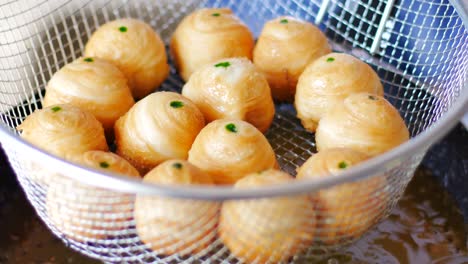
418,48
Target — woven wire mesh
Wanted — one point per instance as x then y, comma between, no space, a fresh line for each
422,59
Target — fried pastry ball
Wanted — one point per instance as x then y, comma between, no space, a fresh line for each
346,211
63,130
207,35
232,88
267,230
328,81
136,49
176,226
284,48
229,149
364,122
84,212
92,84
159,127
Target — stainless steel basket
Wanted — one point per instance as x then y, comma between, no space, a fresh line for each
419,49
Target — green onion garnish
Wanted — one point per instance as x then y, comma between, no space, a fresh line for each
231,128
55,109
176,104
224,64
104,165
342,165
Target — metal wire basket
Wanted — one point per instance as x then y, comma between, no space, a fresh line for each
419,49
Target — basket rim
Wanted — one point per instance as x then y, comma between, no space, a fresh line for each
374,166
462,10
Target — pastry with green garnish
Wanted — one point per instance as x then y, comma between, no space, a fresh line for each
207,35
284,48
63,130
229,149
176,226
92,84
107,162
136,49
346,211
161,126
232,88
84,212
327,81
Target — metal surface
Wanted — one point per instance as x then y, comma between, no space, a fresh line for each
420,51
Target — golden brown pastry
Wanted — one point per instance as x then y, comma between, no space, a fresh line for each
106,161
364,122
136,49
207,35
229,149
92,84
328,81
63,130
346,211
161,126
267,230
232,88
84,212
176,226
284,48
